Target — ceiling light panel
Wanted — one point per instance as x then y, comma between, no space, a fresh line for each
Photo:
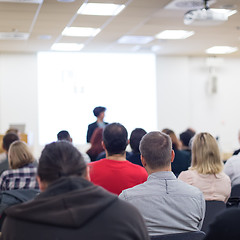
135,39
80,31
67,47
100,9
23,1
174,34
221,50
14,36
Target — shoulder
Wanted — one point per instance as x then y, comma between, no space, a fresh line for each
187,175
92,124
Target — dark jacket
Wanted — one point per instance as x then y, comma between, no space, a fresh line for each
91,128
73,208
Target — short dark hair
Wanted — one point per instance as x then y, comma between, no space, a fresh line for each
63,135
156,148
60,159
186,136
8,139
135,138
115,138
98,110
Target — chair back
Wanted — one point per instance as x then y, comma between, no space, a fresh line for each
234,200
213,208
235,192
198,235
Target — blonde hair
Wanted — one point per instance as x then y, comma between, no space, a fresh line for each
205,154
19,155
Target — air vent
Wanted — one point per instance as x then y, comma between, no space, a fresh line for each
187,4
13,36
23,1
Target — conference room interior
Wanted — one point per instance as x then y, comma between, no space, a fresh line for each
153,83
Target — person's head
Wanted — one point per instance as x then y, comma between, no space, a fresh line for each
156,150
19,155
175,141
64,135
186,136
13,130
99,112
205,154
135,139
115,139
59,159
8,139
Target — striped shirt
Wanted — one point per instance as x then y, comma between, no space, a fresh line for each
21,178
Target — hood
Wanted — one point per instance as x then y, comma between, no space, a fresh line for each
68,202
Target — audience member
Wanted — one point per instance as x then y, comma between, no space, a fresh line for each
182,159
232,169
185,138
134,141
65,136
71,207
206,170
99,113
22,172
115,173
96,144
167,204
8,139
236,152
225,226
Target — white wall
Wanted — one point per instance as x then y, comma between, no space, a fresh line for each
184,99
18,94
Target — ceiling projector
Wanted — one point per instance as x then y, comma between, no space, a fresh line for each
205,17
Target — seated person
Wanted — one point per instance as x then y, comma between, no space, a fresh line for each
182,159
114,172
69,206
167,204
96,144
22,172
134,141
8,139
206,171
185,138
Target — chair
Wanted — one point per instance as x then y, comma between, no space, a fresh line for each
199,235
213,208
234,200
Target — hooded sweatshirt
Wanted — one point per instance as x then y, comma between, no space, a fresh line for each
73,208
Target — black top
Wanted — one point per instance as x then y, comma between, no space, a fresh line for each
73,208
91,128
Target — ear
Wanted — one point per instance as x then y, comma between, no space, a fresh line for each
87,176
143,161
173,156
42,185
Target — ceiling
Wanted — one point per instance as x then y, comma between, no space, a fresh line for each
46,21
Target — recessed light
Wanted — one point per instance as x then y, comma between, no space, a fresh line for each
44,37
174,34
221,50
135,39
67,47
80,31
101,9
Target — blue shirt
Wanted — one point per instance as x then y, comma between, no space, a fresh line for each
167,204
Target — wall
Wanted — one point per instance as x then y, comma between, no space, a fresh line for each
185,99
18,94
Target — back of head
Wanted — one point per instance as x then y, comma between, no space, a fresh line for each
64,135
60,159
8,139
156,148
115,138
135,138
205,154
19,155
98,110
175,141
186,136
